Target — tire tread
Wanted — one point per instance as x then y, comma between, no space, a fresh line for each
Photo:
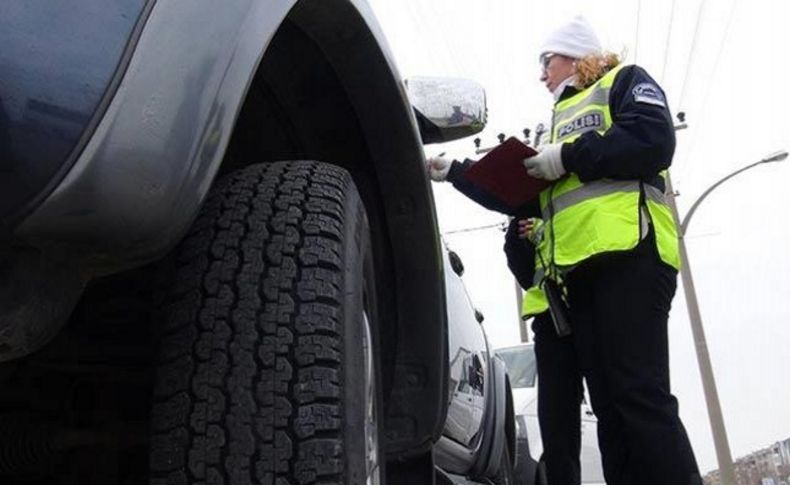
248,389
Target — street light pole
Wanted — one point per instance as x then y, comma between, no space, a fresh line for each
773,157
723,455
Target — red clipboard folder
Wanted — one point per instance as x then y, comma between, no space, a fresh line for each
501,172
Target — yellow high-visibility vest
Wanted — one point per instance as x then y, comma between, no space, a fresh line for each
585,219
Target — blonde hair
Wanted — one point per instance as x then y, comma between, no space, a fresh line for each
591,68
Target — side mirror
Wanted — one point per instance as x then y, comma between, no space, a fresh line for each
447,109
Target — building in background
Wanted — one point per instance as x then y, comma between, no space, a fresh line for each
769,466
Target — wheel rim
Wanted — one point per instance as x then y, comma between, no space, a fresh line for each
371,418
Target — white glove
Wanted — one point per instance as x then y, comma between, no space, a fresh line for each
547,164
438,168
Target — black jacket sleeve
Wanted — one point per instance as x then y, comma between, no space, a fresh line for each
520,254
639,144
457,177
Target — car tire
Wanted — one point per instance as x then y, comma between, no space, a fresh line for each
268,369
504,474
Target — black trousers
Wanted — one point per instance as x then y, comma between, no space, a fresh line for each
559,400
619,307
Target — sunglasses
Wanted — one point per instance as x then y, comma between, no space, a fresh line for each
545,59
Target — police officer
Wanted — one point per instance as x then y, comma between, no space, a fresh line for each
607,238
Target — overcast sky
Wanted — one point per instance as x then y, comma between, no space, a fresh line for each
725,64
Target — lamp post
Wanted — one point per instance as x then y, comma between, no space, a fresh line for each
723,455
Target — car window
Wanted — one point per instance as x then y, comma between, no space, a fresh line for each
521,366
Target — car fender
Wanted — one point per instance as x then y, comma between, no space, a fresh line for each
500,422
151,159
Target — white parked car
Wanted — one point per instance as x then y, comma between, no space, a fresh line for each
522,369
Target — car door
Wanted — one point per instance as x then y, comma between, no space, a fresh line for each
468,361
468,378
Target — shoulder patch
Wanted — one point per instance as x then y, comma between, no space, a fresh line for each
649,93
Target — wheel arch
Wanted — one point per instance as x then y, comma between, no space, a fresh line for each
500,422
326,89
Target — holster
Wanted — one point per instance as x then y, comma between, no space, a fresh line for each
558,308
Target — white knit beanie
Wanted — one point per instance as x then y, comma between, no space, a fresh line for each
576,39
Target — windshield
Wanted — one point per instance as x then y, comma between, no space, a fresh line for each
520,363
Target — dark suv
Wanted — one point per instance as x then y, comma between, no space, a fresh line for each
219,259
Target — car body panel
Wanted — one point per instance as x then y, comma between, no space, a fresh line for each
148,166
468,379
469,367
152,158
55,71
475,429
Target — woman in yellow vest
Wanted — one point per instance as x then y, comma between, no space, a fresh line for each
607,239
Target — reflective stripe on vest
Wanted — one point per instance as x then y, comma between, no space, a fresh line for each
585,219
534,302
598,188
